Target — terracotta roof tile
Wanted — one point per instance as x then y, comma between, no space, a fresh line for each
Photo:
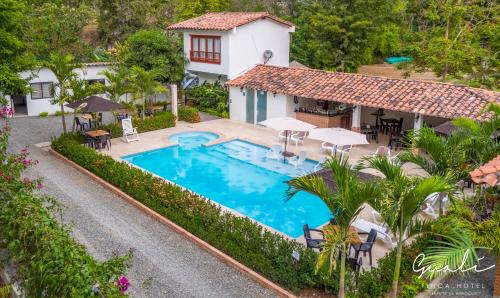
424,97
487,173
225,21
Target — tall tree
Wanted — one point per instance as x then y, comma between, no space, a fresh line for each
156,51
118,19
144,85
13,50
63,66
455,38
345,204
341,35
56,27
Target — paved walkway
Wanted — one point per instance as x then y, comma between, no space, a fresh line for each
164,263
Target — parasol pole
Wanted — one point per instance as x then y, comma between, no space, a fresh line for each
286,141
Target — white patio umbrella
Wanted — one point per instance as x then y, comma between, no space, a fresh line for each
338,136
287,124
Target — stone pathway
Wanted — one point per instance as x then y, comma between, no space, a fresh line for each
165,264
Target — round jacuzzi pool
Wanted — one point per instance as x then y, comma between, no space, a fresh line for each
193,138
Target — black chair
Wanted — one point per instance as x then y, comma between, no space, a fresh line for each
333,221
89,141
398,127
108,137
365,247
313,243
355,264
79,125
384,126
101,142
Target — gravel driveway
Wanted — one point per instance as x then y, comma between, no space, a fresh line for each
165,264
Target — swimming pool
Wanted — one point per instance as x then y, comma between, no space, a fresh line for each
236,174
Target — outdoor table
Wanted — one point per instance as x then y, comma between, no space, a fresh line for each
88,117
96,133
353,233
288,154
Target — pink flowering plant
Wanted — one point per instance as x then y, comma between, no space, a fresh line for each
50,263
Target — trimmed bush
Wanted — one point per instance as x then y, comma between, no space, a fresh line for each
189,114
158,121
267,253
43,114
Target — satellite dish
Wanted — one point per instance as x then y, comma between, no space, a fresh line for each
268,54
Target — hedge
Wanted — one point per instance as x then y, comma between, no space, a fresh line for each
189,114
48,261
268,253
265,252
155,122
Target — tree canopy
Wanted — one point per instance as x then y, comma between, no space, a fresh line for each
156,51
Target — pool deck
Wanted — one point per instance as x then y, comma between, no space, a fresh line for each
229,130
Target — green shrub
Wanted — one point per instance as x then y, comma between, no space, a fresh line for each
267,253
59,113
158,121
49,262
189,114
210,96
411,290
43,114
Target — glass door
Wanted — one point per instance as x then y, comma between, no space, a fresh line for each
250,106
261,106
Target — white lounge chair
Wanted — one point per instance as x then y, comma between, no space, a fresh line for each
385,151
298,160
328,147
129,132
298,137
274,152
366,226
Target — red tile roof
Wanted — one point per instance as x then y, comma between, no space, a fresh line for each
426,98
225,21
488,173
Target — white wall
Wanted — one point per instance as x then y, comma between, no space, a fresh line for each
276,105
37,106
248,43
207,67
237,104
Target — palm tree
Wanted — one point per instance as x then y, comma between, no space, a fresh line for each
63,67
401,203
144,85
118,82
464,150
346,203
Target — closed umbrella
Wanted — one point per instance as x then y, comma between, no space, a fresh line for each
338,136
287,124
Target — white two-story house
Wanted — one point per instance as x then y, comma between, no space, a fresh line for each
220,46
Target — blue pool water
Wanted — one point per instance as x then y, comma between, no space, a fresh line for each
237,174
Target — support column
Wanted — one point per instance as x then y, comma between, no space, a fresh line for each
356,118
419,121
173,99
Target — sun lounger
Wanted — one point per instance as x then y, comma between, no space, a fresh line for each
129,132
298,160
274,152
366,226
